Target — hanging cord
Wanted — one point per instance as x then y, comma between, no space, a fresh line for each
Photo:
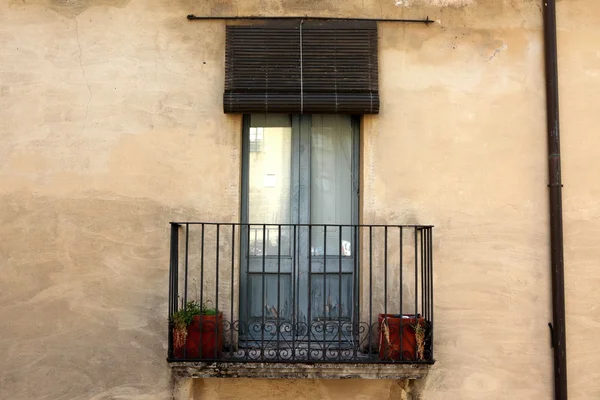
301,73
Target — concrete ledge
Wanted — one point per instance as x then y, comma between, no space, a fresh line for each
299,370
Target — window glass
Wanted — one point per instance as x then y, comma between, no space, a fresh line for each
332,182
270,147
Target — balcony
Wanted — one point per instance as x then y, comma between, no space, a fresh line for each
300,300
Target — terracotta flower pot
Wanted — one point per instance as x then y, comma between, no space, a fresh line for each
397,340
204,338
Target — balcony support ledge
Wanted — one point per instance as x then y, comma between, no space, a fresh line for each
282,370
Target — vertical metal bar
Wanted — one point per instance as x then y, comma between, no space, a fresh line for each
248,286
429,297
428,268
371,289
201,300
184,305
356,293
176,270
430,272
174,265
187,242
431,288
170,310
424,281
202,265
425,267
401,297
294,308
422,274
216,350
309,322
262,330
231,319
385,274
340,255
416,317
172,284
416,276
385,268
278,327
326,305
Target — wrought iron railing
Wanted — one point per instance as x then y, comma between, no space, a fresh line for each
301,293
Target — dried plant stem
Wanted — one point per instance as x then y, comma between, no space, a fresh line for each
179,336
386,331
391,348
420,339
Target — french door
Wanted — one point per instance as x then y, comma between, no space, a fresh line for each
300,194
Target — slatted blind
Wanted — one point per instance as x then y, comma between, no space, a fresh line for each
302,67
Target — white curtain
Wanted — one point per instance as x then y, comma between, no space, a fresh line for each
332,182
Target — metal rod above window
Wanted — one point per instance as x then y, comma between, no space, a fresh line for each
193,17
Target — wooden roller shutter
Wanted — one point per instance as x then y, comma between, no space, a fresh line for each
302,67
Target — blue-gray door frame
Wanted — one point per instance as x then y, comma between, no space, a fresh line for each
302,267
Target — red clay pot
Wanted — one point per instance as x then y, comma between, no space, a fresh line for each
403,343
201,340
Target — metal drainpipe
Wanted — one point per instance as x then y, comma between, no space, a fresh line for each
555,192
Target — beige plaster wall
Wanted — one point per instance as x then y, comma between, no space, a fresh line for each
111,125
307,389
579,63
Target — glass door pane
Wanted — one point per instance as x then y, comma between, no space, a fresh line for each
269,187
332,184
268,281
333,191
300,282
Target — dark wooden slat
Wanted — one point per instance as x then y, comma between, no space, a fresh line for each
338,72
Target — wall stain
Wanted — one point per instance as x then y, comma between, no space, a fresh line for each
70,8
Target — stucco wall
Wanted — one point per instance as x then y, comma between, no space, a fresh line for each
579,63
299,390
111,125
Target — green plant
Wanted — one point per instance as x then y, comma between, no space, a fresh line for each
183,318
208,311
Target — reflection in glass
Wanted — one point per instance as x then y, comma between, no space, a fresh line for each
270,140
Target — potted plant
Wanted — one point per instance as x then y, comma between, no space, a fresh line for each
401,337
210,324
197,331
